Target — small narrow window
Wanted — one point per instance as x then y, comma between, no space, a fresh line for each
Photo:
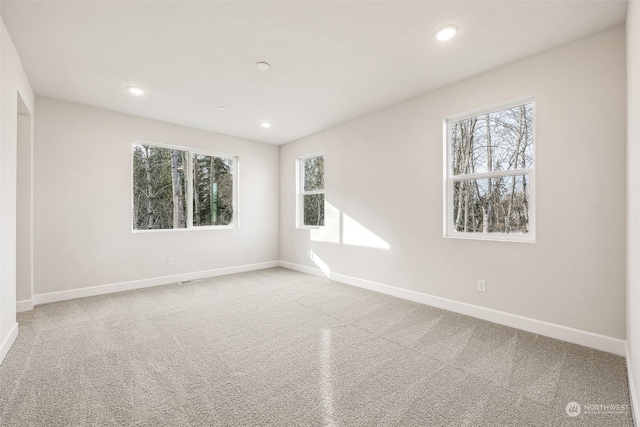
490,174
311,194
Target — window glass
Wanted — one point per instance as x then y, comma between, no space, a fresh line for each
162,198
490,174
159,188
212,190
312,191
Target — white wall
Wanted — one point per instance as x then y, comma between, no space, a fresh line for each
82,221
12,81
633,199
385,173
24,219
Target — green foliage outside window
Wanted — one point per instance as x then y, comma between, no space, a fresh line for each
212,190
161,193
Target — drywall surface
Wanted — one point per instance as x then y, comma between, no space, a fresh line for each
83,204
24,219
384,194
13,81
633,198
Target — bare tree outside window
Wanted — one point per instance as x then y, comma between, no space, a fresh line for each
312,191
490,169
159,188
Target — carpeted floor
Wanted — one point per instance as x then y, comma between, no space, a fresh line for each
281,348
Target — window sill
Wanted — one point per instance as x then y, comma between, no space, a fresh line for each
494,237
176,230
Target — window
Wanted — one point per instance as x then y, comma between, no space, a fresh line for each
174,188
311,191
212,190
490,174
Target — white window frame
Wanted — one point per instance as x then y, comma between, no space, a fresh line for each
449,178
189,177
300,193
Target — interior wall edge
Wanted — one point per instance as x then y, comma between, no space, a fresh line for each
24,305
5,346
635,410
564,333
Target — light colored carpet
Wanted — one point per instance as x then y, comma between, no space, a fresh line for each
280,348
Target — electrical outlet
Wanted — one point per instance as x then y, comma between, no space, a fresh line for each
169,261
482,287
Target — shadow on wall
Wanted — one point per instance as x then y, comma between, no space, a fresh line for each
341,229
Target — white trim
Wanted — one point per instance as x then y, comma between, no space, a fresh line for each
635,410
145,283
560,332
231,226
32,180
5,346
24,305
491,175
304,269
312,155
492,108
182,148
564,333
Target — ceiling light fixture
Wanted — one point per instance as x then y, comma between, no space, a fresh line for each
446,33
135,90
265,124
263,66
221,107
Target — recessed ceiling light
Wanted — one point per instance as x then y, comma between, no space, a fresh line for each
135,90
446,33
221,107
263,66
265,124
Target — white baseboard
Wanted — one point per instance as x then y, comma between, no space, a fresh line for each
6,344
635,410
564,333
138,284
24,305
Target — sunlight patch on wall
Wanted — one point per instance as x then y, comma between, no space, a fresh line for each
330,233
320,263
355,234
340,228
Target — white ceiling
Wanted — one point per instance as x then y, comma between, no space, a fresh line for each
331,61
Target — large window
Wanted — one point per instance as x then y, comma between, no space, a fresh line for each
311,191
175,188
490,174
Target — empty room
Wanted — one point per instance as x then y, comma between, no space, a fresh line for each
320,213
